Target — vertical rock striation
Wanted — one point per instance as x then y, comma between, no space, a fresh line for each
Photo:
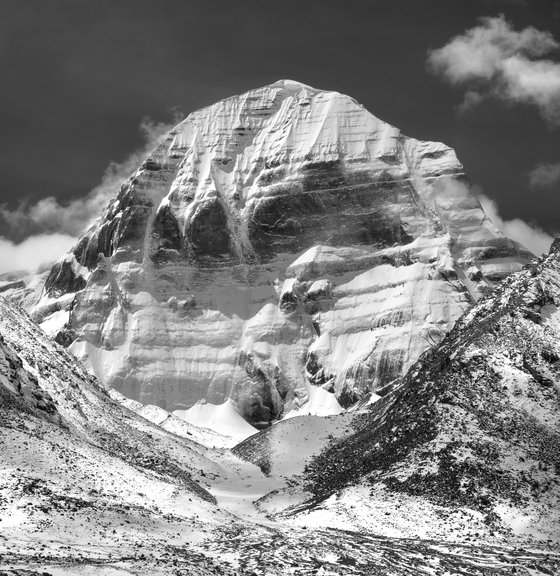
278,240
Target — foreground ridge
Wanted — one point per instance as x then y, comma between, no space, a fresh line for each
476,422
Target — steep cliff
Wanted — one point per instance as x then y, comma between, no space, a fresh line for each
276,241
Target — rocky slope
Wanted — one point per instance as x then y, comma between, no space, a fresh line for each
41,379
81,475
276,241
475,424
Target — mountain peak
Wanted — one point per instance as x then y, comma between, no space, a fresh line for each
294,85
273,245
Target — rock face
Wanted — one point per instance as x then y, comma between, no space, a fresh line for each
275,241
20,387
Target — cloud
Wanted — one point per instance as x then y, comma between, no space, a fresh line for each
532,237
33,252
492,60
50,215
545,176
51,228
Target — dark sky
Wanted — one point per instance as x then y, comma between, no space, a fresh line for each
77,77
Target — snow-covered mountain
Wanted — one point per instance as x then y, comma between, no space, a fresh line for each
276,243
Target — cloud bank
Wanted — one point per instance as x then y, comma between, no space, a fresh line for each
545,176
492,60
52,227
49,215
34,252
532,237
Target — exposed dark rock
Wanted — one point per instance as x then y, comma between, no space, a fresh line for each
168,241
132,227
207,232
63,279
261,394
555,246
12,285
21,387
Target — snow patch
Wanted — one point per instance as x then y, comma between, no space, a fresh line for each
222,418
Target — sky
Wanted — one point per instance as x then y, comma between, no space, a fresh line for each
88,85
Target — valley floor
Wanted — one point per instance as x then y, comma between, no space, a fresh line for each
280,551
245,536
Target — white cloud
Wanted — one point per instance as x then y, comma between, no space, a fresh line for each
49,215
33,252
532,237
545,176
52,228
493,60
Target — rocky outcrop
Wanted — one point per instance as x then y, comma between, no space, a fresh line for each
19,387
275,241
